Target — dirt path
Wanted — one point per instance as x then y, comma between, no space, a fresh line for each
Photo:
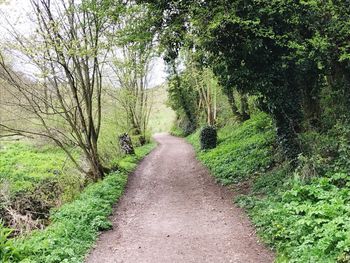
172,211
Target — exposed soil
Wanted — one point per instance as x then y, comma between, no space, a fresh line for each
173,211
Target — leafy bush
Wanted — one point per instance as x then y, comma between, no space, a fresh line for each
310,222
208,137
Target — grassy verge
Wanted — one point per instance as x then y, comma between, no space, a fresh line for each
303,214
75,226
242,150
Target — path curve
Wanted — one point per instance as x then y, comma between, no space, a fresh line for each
172,212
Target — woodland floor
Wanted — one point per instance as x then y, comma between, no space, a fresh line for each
173,211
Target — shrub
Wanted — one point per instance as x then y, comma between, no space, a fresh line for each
208,138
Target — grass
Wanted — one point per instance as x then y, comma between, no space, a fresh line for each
242,150
23,165
162,117
304,214
75,226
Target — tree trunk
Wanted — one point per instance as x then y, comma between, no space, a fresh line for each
189,114
244,108
96,171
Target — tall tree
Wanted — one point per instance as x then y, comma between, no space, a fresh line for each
131,63
68,50
252,46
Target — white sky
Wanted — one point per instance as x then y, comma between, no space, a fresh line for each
17,12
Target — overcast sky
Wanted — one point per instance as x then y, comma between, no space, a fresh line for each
17,12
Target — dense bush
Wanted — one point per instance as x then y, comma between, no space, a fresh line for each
208,137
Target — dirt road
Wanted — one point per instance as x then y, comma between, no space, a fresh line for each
173,212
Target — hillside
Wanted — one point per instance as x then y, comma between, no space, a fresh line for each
162,116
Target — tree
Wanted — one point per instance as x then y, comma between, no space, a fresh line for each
68,50
184,100
252,46
205,85
332,53
208,90
131,63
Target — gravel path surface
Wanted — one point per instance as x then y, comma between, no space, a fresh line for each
173,211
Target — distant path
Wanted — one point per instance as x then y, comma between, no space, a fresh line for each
173,212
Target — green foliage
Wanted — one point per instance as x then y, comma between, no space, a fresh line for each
242,150
304,213
75,225
294,55
309,222
177,131
194,94
208,137
24,165
8,251
162,117
183,99
34,179
306,218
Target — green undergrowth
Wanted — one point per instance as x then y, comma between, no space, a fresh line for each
74,226
23,165
241,151
176,131
304,214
